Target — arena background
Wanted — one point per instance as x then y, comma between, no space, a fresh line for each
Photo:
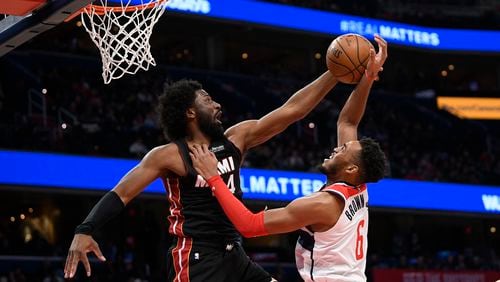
66,138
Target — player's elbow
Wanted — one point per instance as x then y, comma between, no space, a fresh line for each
247,233
255,229
250,225
346,124
300,113
294,112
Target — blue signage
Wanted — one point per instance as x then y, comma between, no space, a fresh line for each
297,18
78,172
274,185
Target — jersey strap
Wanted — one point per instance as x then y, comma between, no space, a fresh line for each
184,152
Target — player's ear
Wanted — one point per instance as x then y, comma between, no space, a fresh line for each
190,113
352,169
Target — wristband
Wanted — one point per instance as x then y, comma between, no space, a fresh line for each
108,207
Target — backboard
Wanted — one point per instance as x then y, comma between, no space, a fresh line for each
21,20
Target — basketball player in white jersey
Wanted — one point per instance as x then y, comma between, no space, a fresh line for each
333,222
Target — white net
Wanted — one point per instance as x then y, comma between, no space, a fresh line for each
122,35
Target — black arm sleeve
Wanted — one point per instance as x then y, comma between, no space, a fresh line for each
108,207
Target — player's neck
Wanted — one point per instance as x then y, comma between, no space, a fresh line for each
195,135
331,179
198,137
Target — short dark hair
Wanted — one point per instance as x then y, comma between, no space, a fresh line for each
373,161
177,97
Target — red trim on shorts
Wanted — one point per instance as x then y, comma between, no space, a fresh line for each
175,218
346,190
180,259
175,259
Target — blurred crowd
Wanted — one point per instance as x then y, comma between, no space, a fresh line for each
410,252
134,244
86,117
55,101
119,120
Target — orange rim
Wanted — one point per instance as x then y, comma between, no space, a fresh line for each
101,10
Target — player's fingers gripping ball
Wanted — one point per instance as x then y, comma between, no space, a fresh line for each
347,57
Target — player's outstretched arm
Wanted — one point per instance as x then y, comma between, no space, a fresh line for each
301,212
354,108
250,133
110,205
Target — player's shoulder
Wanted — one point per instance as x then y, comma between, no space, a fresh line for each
240,128
163,155
343,189
237,133
165,149
320,200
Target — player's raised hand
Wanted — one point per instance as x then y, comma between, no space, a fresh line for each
81,245
204,161
376,61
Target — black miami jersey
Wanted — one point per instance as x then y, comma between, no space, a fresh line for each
194,211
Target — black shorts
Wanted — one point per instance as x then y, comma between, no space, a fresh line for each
197,261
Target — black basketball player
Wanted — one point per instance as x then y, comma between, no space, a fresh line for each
206,245
333,222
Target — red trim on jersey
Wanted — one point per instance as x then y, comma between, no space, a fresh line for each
346,190
175,218
180,259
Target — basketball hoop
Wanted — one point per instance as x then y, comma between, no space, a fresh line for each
122,34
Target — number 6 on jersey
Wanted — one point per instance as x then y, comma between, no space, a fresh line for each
359,240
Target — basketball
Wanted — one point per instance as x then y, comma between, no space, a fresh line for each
347,57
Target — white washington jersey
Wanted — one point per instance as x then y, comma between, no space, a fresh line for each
338,254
